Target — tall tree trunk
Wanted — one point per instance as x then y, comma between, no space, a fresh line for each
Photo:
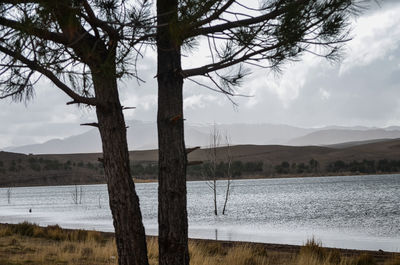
214,144
172,212
215,194
228,172
228,185
124,202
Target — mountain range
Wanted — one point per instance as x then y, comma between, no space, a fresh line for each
143,136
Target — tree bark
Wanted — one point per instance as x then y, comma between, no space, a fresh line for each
228,172
172,212
228,185
124,202
215,142
215,195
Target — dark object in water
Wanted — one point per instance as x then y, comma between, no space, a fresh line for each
30,210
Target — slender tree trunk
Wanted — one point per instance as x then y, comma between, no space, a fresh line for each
215,194
228,185
124,202
9,195
228,173
172,212
215,141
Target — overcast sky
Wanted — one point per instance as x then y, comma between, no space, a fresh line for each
363,89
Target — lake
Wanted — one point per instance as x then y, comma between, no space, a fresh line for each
360,212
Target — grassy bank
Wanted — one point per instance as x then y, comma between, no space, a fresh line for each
30,244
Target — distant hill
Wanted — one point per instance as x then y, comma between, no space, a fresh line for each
87,142
351,144
83,168
275,154
336,136
143,136
140,136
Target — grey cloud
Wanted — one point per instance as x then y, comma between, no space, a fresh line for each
367,94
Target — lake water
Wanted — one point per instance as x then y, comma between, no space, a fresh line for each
361,212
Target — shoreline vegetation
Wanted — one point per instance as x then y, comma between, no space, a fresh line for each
247,162
154,180
27,243
18,170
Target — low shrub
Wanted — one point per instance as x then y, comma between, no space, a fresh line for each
393,261
364,259
23,229
314,248
52,232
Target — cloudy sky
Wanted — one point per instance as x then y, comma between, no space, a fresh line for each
363,89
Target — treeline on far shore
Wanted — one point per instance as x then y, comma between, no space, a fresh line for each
43,165
234,169
238,169
55,172
357,167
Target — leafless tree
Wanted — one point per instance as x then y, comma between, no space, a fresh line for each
211,167
218,154
99,201
228,171
77,194
9,192
80,194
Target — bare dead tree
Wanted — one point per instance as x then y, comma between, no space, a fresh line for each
9,192
99,201
83,48
215,139
80,194
77,194
228,171
216,155
238,36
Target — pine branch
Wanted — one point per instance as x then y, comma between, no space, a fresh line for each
214,16
36,67
189,150
96,22
31,30
93,124
241,23
224,63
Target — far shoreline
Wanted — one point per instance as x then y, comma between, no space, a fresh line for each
252,177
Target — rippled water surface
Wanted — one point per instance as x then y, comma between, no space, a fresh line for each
348,211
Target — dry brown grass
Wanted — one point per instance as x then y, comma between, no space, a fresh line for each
312,253
395,260
209,253
204,253
30,244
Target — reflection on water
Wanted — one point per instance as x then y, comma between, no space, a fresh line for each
347,211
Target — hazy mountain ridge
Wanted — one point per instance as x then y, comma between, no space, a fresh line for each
338,136
356,143
143,136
